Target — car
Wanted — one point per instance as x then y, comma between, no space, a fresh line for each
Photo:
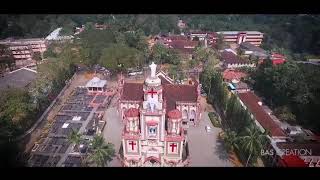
132,73
139,72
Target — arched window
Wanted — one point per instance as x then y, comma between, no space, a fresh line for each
184,114
192,115
123,110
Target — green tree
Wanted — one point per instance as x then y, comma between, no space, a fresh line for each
101,153
75,138
6,58
231,140
117,54
285,114
252,143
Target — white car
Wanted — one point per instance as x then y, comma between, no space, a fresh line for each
132,74
208,129
135,73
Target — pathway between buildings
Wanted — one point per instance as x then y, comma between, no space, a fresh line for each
112,131
205,148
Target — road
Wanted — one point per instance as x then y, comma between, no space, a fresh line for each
205,148
112,130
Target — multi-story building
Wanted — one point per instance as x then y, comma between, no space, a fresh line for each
23,49
238,37
156,114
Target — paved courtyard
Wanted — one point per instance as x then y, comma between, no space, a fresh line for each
112,130
205,148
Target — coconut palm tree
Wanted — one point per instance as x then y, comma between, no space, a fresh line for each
100,153
231,140
75,138
253,142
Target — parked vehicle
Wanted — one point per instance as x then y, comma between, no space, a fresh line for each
134,73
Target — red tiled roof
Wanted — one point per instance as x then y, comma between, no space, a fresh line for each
251,101
174,93
314,147
292,161
171,92
230,58
132,92
278,61
230,74
174,114
174,38
181,44
132,112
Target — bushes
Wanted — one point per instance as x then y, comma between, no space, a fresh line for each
214,119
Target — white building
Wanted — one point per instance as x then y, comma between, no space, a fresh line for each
96,85
254,37
55,36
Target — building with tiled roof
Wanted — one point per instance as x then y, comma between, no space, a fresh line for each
184,46
287,153
250,49
23,49
156,115
277,58
231,74
231,60
262,118
20,78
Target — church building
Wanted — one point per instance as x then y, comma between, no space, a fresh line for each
156,115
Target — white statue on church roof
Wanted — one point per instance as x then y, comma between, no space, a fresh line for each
153,68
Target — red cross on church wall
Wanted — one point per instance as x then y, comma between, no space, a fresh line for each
132,143
152,92
173,145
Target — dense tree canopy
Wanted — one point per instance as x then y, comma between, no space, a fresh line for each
291,88
292,34
160,54
117,54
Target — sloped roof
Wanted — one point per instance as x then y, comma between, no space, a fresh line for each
180,45
132,92
132,112
165,79
96,82
251,47
229,74
251,101
230,58
313,146
173,93
18,79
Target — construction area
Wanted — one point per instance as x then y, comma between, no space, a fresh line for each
82,112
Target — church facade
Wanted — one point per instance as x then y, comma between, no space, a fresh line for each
156,115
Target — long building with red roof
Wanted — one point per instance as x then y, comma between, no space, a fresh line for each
263,119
